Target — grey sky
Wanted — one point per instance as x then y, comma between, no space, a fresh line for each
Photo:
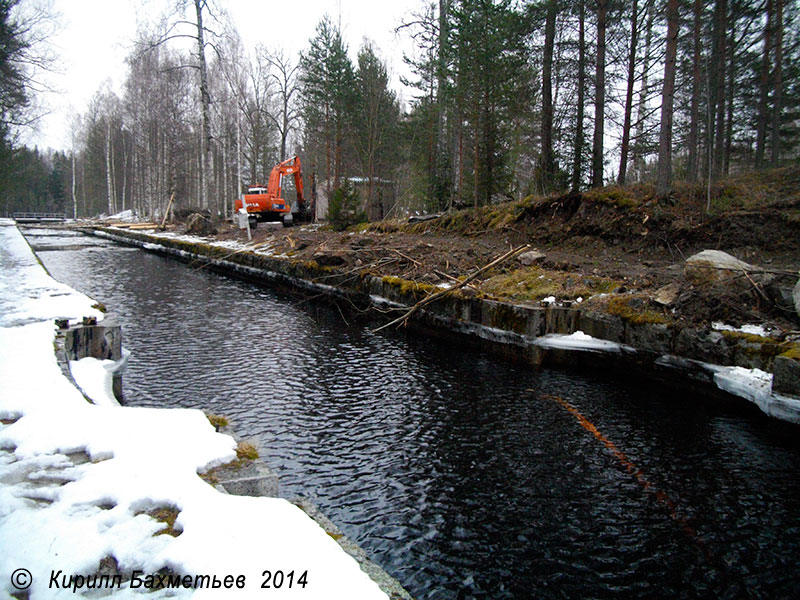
96,36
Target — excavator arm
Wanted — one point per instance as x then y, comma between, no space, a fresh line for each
290,166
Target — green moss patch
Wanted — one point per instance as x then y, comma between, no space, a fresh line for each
217,421
246,451
791,350
416,289
534,283
167,515
635,309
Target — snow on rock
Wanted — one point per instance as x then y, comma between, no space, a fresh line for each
95,378
751,329
754,385
77,479
577,341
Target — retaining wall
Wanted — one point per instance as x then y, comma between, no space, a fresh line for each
682,356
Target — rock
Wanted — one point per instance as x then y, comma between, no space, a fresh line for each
329,259
200,225
786,376
636,303
531,257
713,266
667,295
796,295
782,295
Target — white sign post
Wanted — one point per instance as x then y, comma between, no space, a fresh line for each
244,220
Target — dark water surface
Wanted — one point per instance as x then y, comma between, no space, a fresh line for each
462,475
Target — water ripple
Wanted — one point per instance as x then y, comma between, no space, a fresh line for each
455,471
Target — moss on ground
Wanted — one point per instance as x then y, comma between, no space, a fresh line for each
246,451
217,421
407,286
614,195
167,515
635,309
766,348
791,350
535,283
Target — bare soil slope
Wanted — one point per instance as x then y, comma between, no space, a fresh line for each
615,240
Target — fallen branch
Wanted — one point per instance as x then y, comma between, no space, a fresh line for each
433,297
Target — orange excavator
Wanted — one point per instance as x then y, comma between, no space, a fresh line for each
267,204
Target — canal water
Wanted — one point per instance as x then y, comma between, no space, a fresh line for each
462,475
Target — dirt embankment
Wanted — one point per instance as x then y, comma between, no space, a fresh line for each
614,245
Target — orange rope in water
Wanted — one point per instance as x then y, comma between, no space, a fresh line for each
661,496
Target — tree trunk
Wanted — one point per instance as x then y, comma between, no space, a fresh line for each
761,126
547,97
641,112
74,187
599,95
664,174
721,33
475,153
729,83
439,160
577,163
694,110
328,186
626,126
205,100
124,172
109,186
777,89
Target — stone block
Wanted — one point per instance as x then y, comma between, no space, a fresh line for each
559,319
251,479
102,341
705,345
786,376
602,326
653,337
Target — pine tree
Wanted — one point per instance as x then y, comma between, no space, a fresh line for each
328,83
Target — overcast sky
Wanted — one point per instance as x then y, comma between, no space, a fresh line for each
95,36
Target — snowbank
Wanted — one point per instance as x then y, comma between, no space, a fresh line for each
77,479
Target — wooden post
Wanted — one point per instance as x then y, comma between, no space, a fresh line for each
166,212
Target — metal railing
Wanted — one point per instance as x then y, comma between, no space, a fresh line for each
38,216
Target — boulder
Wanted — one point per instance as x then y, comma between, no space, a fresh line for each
198,224
714,266
530,257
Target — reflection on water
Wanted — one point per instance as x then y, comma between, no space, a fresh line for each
462,475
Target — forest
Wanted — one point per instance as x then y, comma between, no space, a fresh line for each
507,99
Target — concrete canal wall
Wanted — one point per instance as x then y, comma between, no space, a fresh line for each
724,363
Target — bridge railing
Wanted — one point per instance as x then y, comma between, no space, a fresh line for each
38,216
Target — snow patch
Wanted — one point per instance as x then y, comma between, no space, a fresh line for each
754,385
577,341
750,329
58,513
95,378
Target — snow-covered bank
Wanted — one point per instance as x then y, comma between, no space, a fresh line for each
77,480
